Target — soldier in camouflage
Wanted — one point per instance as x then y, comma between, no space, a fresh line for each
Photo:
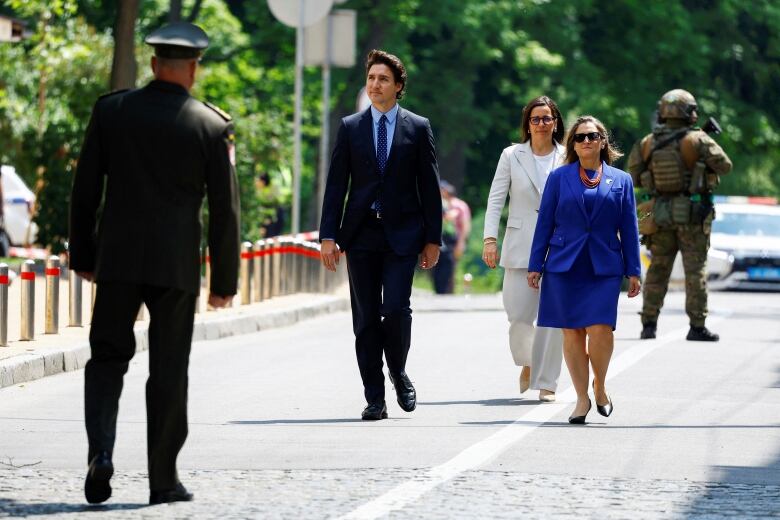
678,165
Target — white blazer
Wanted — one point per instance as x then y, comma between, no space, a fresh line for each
516,174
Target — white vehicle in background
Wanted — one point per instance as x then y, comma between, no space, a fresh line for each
744,246
18,203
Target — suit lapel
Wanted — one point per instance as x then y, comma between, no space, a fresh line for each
602,190
572,178
366,132
525,156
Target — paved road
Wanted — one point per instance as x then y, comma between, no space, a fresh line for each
275,432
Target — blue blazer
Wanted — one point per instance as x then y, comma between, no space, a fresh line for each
563,228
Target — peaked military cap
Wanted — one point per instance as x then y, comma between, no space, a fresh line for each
179,40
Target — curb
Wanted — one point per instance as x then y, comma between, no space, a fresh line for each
29,367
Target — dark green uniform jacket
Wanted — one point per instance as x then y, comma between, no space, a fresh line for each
157,151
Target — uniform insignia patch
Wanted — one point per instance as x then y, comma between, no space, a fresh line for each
609,181
224,115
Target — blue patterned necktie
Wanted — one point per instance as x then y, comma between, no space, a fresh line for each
381,154
381,144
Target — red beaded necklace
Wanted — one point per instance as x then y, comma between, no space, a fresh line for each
590,183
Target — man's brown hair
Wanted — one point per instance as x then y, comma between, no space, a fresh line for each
377,56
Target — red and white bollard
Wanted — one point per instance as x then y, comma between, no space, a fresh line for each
3,305
27,277
52,318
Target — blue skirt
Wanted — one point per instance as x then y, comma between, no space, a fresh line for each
578,298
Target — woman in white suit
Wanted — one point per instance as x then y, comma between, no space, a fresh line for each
522,172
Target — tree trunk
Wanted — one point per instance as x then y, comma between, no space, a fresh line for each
124,68
174,15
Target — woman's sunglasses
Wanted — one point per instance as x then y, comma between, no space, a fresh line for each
590,136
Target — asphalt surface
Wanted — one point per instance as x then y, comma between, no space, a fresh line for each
275,429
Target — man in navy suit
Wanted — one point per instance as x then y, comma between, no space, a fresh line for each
384,164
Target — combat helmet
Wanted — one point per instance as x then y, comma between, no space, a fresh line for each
677,104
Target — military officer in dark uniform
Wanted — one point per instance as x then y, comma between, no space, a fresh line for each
156,152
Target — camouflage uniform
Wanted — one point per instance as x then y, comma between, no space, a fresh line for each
691,239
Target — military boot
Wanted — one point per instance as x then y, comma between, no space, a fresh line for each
701,334
648,330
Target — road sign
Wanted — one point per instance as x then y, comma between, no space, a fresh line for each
340,26
299,13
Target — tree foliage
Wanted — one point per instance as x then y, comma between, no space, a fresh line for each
472,66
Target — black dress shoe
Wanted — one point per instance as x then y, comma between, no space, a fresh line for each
580,419
648,331
701,334
605,410
177,494
97,487
404,390
375,411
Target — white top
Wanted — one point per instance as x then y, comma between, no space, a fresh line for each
545,164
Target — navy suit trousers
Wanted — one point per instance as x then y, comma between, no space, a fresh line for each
380,284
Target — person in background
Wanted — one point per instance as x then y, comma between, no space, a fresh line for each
462,216
443,273
586,240
522,172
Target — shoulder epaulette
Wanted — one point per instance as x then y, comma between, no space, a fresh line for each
113,93
224,115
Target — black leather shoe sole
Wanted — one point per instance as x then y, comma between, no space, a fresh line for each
179,494
374,413
97,487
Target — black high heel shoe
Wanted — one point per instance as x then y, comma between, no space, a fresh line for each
605,410
580,419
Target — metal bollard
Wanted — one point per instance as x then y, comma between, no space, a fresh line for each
52,316
3,305
284,266
311,256
295,265
246,281
267,265
74,300
259,263
276,269
28,301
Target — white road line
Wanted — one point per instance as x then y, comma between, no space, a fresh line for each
479,453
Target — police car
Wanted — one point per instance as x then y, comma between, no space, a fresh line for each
744,246
18,203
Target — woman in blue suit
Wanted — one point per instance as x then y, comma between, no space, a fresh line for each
586,241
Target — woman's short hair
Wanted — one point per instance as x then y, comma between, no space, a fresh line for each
541,101
609,154
393,63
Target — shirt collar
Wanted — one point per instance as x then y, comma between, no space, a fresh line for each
390,114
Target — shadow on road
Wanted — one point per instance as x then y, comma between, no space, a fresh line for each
13,509
308,421
629,427
485,402
745,491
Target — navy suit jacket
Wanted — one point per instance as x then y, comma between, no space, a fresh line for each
408,190
564,227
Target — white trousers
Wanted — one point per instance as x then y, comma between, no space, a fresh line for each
541,348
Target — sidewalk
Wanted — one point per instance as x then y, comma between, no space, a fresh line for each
50,354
